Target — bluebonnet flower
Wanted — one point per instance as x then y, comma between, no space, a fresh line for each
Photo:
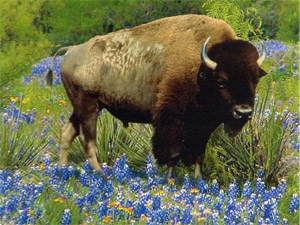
250,210
236,188
84,178
121,170
66,218
187,183
260,173
294,205
105,170
260,187
151,169
203,187
189,199
156,202
102,209
23,216
65,172
108,190
71,170
215,218
248,190
175,214
215,188
135,185
87,166
231,192
186,216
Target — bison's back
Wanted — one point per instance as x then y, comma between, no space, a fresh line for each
125,68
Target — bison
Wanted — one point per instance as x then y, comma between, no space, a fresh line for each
184,74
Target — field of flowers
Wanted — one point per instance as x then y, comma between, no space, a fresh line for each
34,191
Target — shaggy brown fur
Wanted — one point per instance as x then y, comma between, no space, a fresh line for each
150,74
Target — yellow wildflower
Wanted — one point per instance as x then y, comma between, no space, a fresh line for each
121,208
107,219
59,199
25,100
172,181
30,213
42,166
14,99
129,210
143,217
86,214
160,192
194,191
112,204
62,102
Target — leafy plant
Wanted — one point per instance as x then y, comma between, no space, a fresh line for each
263,145
22,43
235,17
19,145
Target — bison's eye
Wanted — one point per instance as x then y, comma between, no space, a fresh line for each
221,83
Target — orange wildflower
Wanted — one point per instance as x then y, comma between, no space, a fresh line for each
107,219
112,204
129,210
194,191
121,208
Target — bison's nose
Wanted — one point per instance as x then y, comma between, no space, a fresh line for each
240,111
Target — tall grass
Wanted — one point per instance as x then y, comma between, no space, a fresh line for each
20,143
263,146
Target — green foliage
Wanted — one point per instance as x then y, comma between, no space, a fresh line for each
19,145
22,43
235,17
289,21
73,22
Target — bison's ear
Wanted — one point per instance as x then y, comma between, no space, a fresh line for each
262,73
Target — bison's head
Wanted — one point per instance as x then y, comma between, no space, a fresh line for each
231,70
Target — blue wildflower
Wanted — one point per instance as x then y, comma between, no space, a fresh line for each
294,205
66,218
215,188
186,216
248,190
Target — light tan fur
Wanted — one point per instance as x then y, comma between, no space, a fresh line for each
132,65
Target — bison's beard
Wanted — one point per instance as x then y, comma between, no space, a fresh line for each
234,126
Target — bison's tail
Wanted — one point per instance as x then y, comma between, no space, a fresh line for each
49,74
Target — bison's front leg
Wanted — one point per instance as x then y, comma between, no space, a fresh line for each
167,143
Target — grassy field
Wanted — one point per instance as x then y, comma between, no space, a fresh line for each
253,178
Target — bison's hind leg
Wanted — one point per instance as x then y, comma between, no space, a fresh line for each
87,133
68,133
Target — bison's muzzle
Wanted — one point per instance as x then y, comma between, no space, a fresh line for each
240,111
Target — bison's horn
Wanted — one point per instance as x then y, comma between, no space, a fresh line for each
262,58
207,61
